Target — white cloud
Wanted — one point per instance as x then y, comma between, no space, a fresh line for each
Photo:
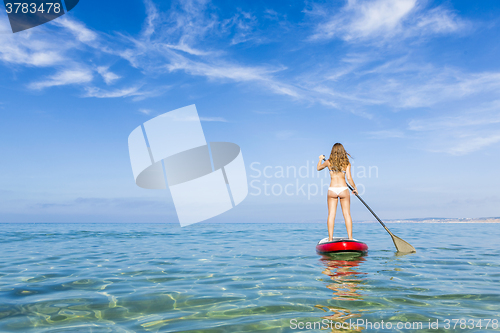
221,119
429,87
381,20
145,111
400,84
243,25
107,76
137,92
472,144
177,40
217,71
468,129
174,117
223,70
475,117
191,38
65,77
439,20
151,16
79,30
123,92
217,119
170,42
25,49
38,59
186,48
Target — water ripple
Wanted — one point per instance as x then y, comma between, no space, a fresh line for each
246,278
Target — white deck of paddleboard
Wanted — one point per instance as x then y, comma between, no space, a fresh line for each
335,239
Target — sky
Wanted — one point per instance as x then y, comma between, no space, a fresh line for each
411,88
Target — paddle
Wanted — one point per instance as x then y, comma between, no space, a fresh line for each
401,245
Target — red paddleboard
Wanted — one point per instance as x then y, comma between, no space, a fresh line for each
341,245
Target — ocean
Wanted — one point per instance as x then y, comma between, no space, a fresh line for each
247,278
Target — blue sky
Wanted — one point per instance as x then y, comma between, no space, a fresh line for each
411,88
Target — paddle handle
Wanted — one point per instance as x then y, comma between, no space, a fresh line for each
366,205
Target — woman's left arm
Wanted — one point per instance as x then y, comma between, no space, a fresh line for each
350,180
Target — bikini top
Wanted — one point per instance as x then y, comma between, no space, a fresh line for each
334,171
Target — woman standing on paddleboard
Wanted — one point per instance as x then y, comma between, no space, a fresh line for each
339,166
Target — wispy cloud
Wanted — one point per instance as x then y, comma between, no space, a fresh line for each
172,42
149,112
225,71
145,111
22,49
471,144
398,83
469,129
175,42
485,114
107,76
123,92
65,77
362,20
220,119
243,25
187,39
52,47
79,30
151,17
425,87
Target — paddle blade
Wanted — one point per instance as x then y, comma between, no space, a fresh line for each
402,245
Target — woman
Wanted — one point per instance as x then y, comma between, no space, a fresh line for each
339,166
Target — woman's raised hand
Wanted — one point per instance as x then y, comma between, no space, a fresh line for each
321,157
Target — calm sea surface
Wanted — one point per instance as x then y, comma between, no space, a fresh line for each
246,278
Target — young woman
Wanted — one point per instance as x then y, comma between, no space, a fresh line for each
339,166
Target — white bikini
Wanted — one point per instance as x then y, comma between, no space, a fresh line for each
338,189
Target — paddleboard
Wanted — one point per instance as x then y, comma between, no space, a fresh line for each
341,245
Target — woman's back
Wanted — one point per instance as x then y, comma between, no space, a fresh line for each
337,178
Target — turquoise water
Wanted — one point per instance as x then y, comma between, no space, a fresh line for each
245,278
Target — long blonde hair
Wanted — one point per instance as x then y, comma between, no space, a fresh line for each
338,158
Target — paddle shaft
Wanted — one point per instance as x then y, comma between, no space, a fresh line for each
371,211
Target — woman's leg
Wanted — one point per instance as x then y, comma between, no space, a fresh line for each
332,210
345,204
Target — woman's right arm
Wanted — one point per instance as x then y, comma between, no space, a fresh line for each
323,165
349,179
